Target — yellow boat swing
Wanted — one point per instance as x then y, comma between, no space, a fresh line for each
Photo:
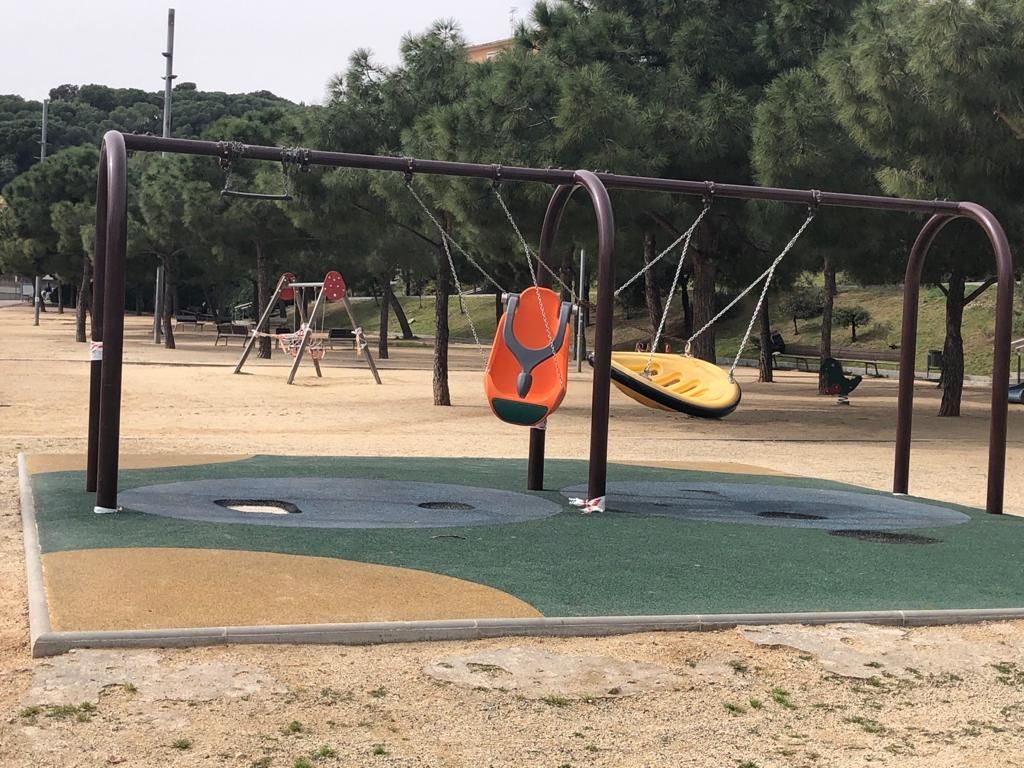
682,383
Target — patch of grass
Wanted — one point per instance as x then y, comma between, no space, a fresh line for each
556,701
739,667
592,748
129,688
781,697
748,764
30,712
325,752
293,727
61,711
182,744
874,682
301,762
733,709
379,749
379,693
1009,674
756,704
261,762
869,725
333,696
874,664
474,666
691,663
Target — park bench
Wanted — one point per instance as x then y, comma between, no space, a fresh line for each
189,318
340,334
228,331
804,356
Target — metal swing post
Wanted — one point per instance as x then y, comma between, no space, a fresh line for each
282,283
304,341
360,339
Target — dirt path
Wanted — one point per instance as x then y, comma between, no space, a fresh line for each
955,697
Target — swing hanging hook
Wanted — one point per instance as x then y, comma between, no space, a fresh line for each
496,181
409,171
812,207
709,193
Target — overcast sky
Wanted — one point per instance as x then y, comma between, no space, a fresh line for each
289,47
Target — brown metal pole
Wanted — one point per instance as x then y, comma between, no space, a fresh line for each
598,474
1000,353
96,309
908,350
548,233
113,323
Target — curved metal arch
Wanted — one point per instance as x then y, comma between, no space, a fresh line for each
108,297
598,469
1000,352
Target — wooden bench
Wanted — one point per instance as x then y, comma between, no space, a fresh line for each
803,356
189,318
228,331
340,334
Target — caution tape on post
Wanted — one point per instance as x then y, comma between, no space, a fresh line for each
95,351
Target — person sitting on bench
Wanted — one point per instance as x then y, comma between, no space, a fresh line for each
837,382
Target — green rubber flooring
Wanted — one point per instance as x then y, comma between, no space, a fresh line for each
575,565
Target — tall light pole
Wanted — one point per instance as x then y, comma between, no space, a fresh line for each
38,298
158,300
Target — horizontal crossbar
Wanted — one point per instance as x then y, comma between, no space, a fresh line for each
557,176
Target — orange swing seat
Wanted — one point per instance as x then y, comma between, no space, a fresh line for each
528,367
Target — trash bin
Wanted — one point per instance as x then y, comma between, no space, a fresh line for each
934,361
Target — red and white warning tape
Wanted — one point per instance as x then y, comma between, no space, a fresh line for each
96,350
589,505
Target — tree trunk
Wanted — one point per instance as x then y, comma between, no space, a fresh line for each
853,331
442,395
953,348
60,298
82,305
385,307
403,321
138,301
825,347
651,295
684,298
704,273
765,360
170,300
264,349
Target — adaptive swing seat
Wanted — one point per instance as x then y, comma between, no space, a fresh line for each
675,383
528,367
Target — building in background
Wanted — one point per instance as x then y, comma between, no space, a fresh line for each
484,51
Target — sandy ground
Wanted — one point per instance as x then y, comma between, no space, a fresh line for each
376,705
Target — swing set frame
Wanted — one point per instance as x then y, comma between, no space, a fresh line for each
109,289
287,281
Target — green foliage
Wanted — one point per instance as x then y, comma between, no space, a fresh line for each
851,317
801,303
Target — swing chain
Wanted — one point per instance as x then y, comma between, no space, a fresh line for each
228,151
675,284
444,235
766,276
685,236
445,240
530,255
533,276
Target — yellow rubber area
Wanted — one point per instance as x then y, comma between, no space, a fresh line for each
161,588
39,463
728,467
686,379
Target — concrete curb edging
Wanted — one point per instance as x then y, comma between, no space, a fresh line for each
46,642
38,610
